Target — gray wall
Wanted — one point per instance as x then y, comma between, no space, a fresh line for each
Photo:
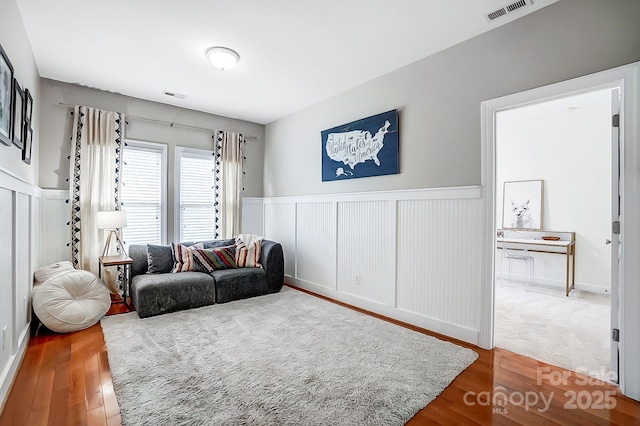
56,130
56,121
439,97
15,43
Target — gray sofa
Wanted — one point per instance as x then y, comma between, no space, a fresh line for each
155,290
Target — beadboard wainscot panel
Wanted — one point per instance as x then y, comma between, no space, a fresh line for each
280,226
54,224
252,216
415,253
439,262
365,251
6,289
316,243
19,230
36,220
24,273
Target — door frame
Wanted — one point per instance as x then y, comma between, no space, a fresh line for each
627,78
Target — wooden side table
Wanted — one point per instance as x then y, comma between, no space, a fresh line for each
118,260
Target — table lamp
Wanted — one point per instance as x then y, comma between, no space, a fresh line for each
112,221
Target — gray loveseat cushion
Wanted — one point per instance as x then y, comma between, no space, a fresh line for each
154,294
159,259
240,283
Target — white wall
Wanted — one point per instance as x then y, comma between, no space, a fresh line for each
571,152
15,43
56,130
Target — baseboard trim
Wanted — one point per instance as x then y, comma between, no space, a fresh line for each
428,324
560,284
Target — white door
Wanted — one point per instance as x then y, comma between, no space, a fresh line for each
615,231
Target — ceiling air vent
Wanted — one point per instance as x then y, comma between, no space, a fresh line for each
174,95
496,14
516,5
505,10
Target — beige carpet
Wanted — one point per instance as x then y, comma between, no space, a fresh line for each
542,323
282,359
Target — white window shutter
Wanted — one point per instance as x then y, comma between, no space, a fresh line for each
197,196
142,188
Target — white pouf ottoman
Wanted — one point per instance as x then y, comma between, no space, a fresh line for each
71,300
43,273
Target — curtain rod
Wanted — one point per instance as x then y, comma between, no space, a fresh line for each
184,126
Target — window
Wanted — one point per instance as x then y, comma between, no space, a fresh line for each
195,195
143,194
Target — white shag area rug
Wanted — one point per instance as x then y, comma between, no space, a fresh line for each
282,359
542,323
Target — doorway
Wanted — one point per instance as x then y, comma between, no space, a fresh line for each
626,295
565,144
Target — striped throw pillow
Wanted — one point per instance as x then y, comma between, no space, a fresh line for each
247,255
208,260
183,257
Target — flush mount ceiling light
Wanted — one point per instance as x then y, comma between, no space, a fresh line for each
222,58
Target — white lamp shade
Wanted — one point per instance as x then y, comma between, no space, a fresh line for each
111,219
222,58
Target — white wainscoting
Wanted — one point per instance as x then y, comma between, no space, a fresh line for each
316,243
439,259
280,219
20,231
365,251
55,218
252,216
413,255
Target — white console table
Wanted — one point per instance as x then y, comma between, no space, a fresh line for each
533,242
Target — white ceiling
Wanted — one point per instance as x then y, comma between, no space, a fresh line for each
599,100
293,53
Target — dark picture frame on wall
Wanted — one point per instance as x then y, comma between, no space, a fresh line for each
28,108
28,143
6,98
18,115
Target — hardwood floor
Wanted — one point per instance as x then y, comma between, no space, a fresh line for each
64,379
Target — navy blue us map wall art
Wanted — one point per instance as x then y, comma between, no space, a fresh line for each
362,148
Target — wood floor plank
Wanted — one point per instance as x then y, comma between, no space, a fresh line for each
77,394
96,417
38,416
78,414
115,420
65,379
43,391
110,401
59,409
19,401
93,382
